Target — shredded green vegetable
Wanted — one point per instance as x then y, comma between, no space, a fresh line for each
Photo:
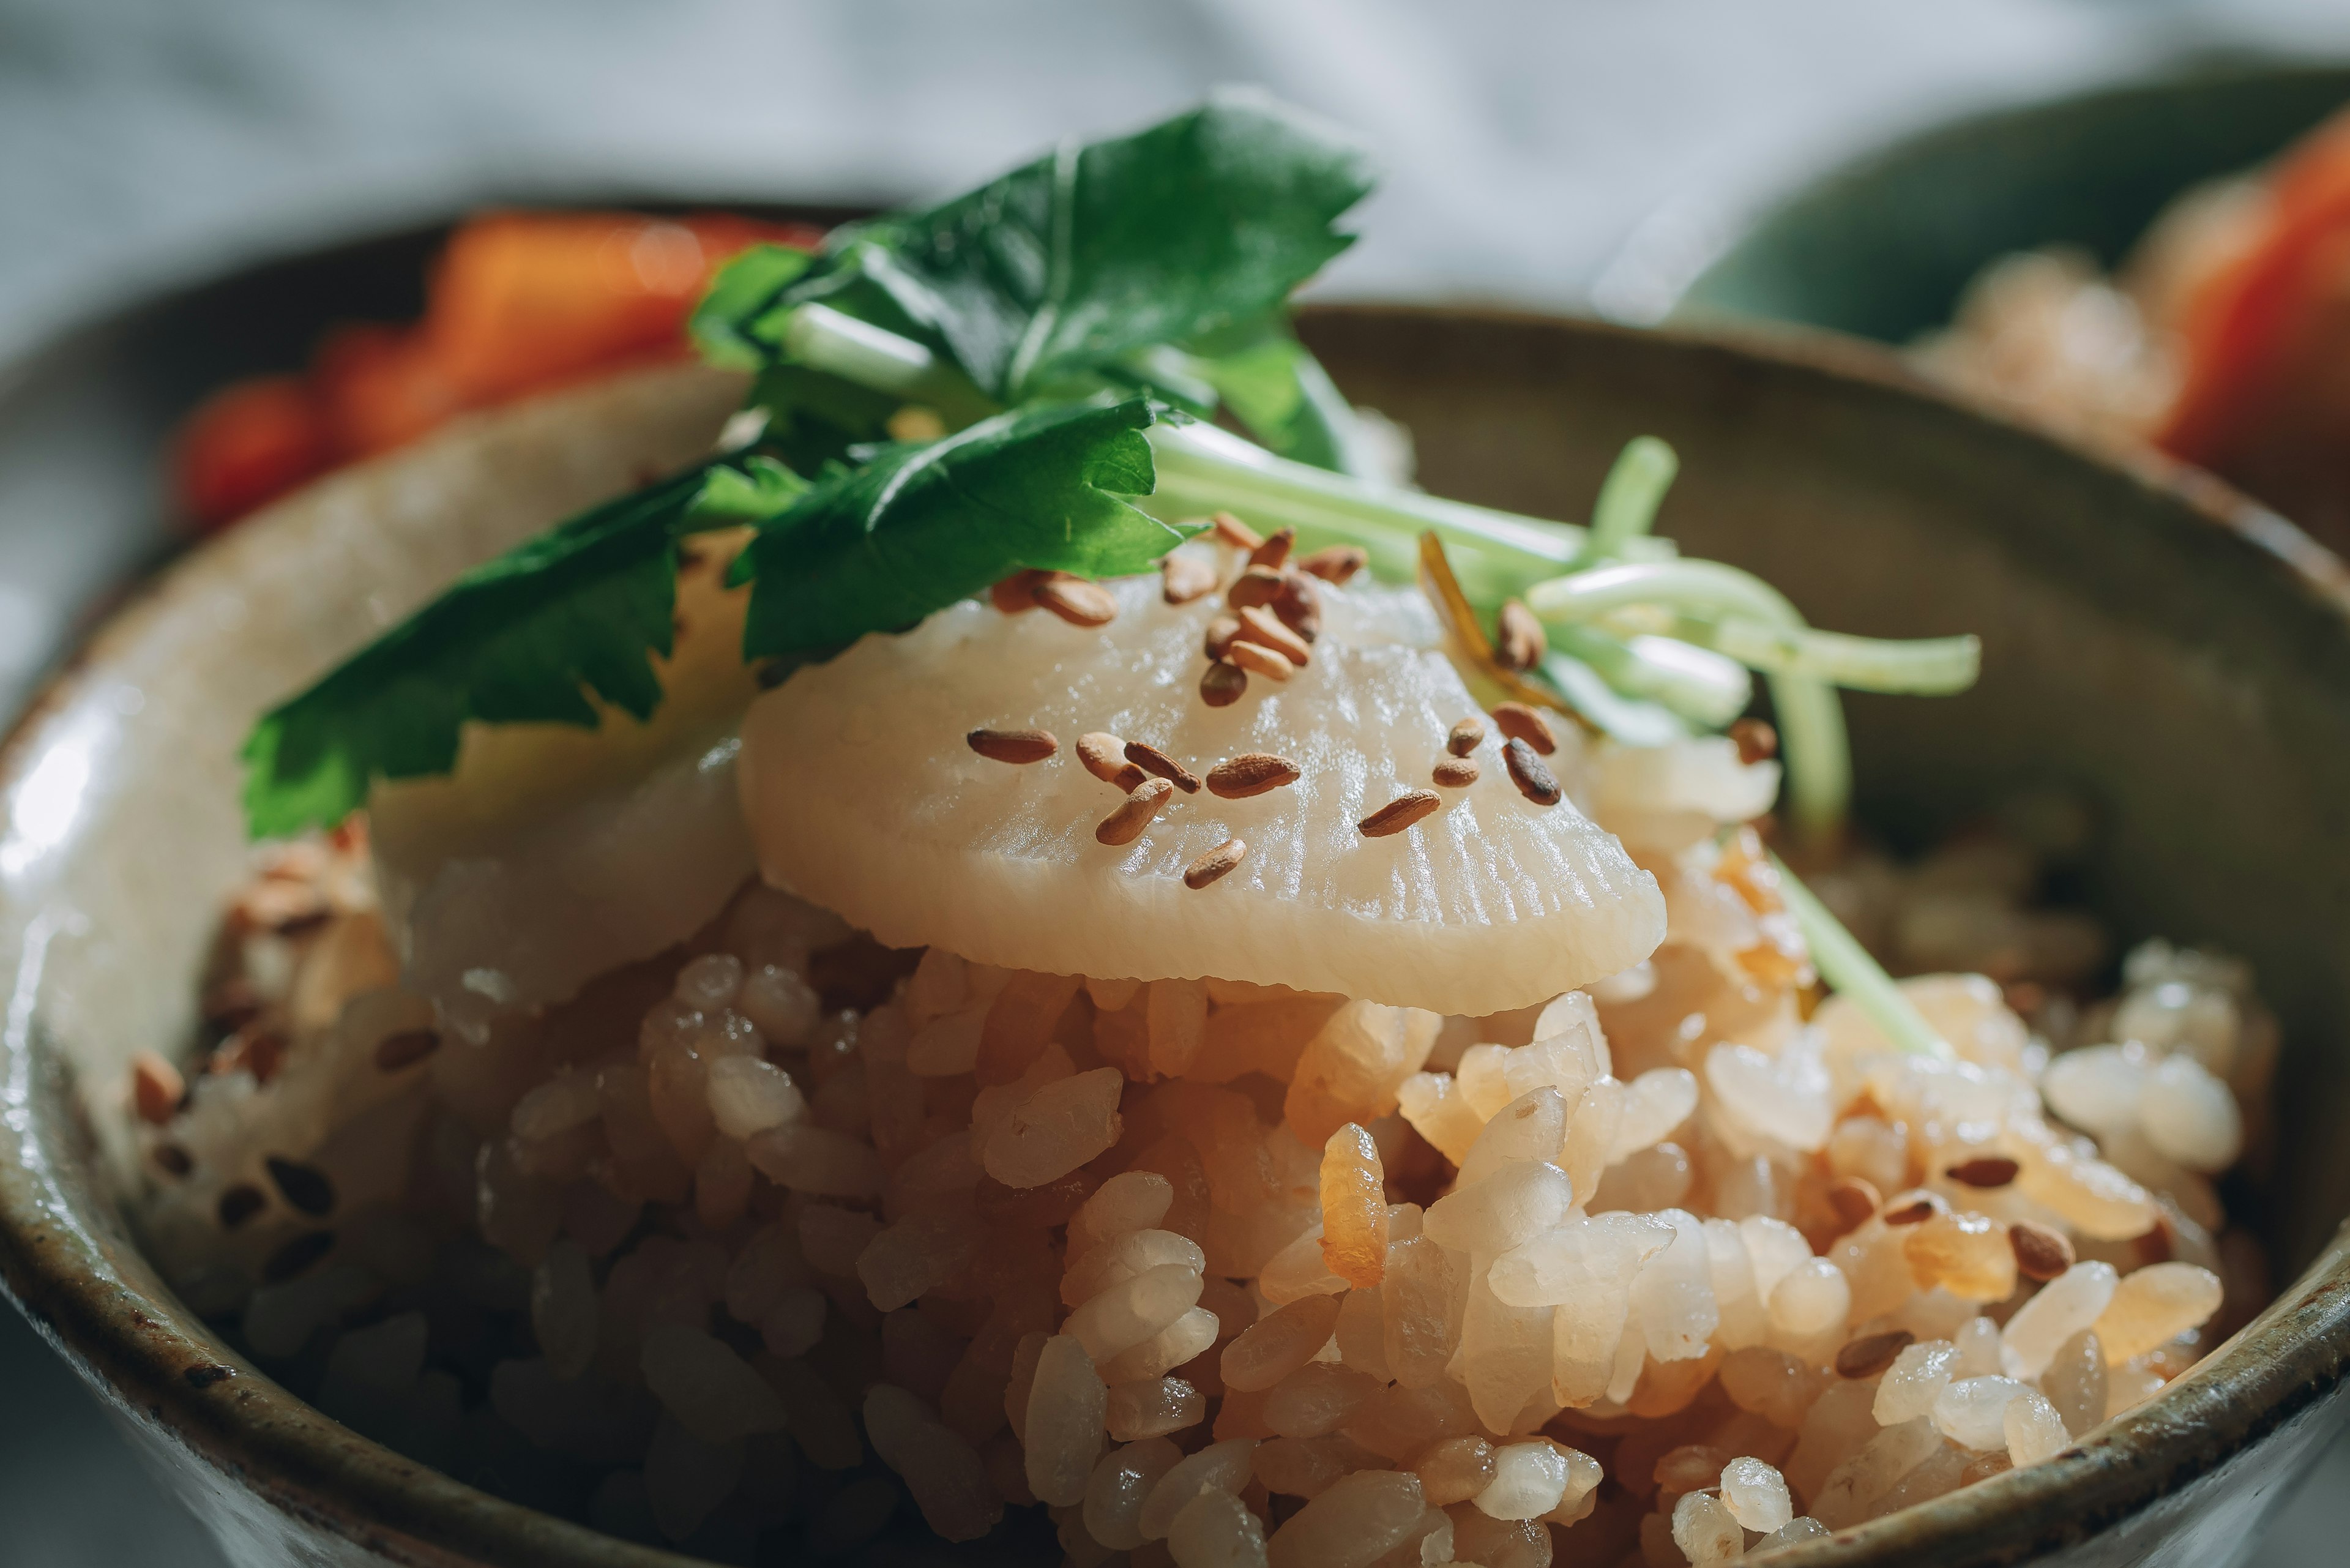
1628,498
1846,968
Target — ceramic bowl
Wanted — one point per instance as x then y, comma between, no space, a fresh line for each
1883,247
2178,656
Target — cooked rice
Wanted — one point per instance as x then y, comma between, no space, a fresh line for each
780,1241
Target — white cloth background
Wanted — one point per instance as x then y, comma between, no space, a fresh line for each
144,141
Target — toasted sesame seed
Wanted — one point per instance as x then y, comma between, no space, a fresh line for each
1104,757
1466,737
1222,631
1257,585
1076,600
405,1049
1454,772
1336,562
1260,627
1983,1171
1013,745
1235,533
1274,551
156,1088
1855,1201
2040,1253
1520,722
1872,1353
306,1187
1519,643
1016,593
1216,863
1253,773
1264,661
1400,813
1916,1211
173,1159
1534,781
1757,741
1151,760
1223,685
1125,825
297,1256
1300,604
241,1203
231,1004
1183,578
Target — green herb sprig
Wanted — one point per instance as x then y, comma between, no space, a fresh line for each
1074,328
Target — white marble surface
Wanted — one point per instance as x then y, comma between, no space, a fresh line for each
146,140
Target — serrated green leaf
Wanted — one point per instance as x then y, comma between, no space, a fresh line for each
745,289
1091,253
919,527
754,492
1276,388
526,638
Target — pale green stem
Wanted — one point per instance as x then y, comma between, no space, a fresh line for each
1848,969
1920,667
1211,468
825,340
1811,722
1628,498
1704,688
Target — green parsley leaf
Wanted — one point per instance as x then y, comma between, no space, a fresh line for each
919,527
743,290
1045,276
1280,391
523,638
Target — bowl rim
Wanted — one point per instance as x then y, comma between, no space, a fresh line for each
1680,293
156,1365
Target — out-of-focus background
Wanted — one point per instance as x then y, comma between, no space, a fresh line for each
1575,154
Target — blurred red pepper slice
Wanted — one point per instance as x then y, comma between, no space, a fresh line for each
2265,396
516,303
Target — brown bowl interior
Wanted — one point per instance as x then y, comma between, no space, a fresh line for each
2180,658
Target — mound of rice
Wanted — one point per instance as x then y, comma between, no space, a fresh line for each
782,1241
